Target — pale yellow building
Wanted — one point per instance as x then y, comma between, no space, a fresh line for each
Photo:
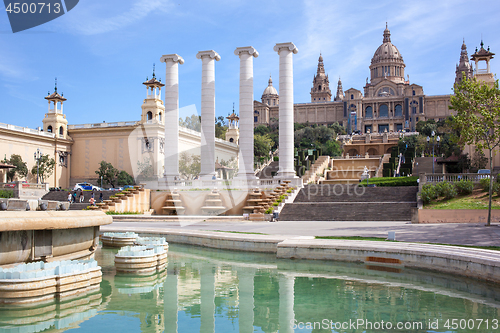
127,145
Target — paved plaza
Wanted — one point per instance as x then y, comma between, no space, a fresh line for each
449,233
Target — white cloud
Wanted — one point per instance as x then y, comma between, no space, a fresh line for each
92,19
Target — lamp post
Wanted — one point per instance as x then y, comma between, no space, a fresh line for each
38,156
433,145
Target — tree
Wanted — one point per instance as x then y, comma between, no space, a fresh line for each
45,168
124,178
478,110
262,145
220,128
145,169
21,168
192,123
189,165
107,172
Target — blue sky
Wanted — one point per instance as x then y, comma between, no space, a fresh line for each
102,51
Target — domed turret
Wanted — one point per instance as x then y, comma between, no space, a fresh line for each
270,95
387,62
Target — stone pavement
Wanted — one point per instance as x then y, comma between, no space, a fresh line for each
449,233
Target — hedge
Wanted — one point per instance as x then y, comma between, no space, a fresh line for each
392,181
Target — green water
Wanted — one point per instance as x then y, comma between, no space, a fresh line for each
205,290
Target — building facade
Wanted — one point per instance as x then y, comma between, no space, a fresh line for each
387,103
136,147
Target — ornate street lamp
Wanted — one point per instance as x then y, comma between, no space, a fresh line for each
38,156
433,145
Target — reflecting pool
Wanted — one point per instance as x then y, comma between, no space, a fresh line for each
206,290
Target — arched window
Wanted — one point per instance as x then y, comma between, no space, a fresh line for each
49,129
61,130
383,111
268,102
231,140
369,112
398,111
159,116
352,96
150,115
319,87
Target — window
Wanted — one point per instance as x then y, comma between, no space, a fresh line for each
319,87
383,128
49,129
159,116
369,112
255,119
352,96
150,115
413,92
268,102
61,130
231,140
399,127
398,111
383,111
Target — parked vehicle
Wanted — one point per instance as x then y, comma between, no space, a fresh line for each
483,173
12,185
86,187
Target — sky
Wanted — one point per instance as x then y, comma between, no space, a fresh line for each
102,51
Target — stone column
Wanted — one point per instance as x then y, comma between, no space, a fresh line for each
207,298
170,300
246,154
208,112
286,167
245,299
287,300
171,117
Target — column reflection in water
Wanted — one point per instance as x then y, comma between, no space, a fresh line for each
170,301
207,306
245,299
287,299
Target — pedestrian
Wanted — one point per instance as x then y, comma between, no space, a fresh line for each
73,199
92,201
81,197
93,195
69,197
100,197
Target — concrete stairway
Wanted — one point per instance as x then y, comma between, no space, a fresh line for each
63,196
350,203
424,165
269,171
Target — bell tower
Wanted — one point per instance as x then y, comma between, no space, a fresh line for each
233,132
464,67
483,74
153,109
55,121
320,92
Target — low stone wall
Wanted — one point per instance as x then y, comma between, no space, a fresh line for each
49,235
139,202
456,216
390,256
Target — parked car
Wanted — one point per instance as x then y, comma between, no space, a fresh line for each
128,186
12,185
483,173
86,187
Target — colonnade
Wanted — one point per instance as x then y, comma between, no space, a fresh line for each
246,144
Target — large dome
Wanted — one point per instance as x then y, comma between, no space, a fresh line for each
270,90
387,52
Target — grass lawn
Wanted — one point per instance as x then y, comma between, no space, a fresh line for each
477,200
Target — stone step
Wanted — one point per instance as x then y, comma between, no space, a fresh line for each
347,193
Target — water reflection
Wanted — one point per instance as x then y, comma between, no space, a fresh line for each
205,290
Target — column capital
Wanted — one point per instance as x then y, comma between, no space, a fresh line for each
172,57
249,49
290,46
210,53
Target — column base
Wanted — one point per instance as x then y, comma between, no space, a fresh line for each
285,174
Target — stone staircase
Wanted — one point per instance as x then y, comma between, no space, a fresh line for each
173,204
318,167
424,165
269,171
351,203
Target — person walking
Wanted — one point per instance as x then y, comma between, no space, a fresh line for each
92,201
69,197
100,197
73,199
81,197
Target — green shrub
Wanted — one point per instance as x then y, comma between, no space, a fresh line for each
392,181
288,191
448,190
485,185
6,193
275,204
464,187
276,158
428,193
269,210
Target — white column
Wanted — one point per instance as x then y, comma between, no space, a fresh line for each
171,116
286,51
208,112
245,299
170,300
246,154
287,299
207,298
